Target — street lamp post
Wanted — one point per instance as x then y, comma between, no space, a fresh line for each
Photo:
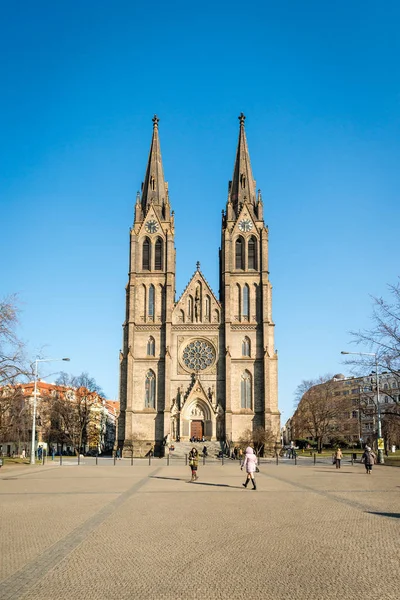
381,459
38,360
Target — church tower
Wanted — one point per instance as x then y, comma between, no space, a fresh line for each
251,387
145,357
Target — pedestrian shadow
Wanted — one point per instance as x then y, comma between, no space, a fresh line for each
169,478
236,487
384,514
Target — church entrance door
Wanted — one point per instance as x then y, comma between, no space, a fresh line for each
197,429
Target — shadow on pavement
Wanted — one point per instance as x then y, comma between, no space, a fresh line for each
171,478
384,514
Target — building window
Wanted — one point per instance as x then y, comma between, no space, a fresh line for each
251,253
208,308
190,308
151,301
245,390
151,346
146,255
246,347
386,399
150,390
239,253
354,414
158,255
246,303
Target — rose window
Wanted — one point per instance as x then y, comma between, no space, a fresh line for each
198,355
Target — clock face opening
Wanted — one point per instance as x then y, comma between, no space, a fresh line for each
151,226
245,225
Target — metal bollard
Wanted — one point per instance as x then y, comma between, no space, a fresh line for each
44,457
295,459
79,458
277,459
60,459
315,458
115,459
97,458
186,456
352,461
132,459
222,463
168,459
149,460
204,459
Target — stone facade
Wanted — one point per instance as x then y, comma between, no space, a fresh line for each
199,365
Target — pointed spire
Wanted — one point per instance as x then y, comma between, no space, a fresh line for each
154,189
243,185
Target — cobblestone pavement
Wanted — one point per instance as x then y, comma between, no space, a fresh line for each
145,532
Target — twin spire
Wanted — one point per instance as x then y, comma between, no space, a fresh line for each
154,188
241,188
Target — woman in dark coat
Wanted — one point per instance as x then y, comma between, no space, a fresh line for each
194,463
368,458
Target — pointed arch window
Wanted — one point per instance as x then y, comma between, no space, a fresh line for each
239,253
252,253
245,390
246,302
151,346
246,347
190,308
150,390
146,255
208,308
151,302
158,255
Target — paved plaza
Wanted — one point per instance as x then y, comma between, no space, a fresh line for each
125,532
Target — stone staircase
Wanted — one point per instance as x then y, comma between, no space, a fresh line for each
182,448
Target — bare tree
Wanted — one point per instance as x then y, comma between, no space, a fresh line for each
13,365
262,440
73,413
319,409
383,339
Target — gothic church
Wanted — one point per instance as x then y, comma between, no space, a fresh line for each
202,364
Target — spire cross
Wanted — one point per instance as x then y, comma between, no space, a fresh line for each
198,265
241,118
155,120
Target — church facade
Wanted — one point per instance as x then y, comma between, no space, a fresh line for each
199,365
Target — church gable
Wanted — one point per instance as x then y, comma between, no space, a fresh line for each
198,303
245,222
151,224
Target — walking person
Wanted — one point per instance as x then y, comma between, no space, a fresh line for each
338,457
368,458
193,463
250,464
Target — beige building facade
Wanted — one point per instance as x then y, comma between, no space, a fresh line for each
199,365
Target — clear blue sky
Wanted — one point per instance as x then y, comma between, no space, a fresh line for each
80,82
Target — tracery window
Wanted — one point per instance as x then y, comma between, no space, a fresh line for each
146,254
198,355
150,390
252,253
239,253
151,302
158,258
245,390
246,303
151,346
246,347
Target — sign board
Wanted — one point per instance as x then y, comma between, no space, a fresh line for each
381,444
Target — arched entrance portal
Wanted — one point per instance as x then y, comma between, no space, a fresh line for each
197,420
197,429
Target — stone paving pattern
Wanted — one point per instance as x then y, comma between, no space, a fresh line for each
122,532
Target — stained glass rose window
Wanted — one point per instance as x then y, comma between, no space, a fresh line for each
198,355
